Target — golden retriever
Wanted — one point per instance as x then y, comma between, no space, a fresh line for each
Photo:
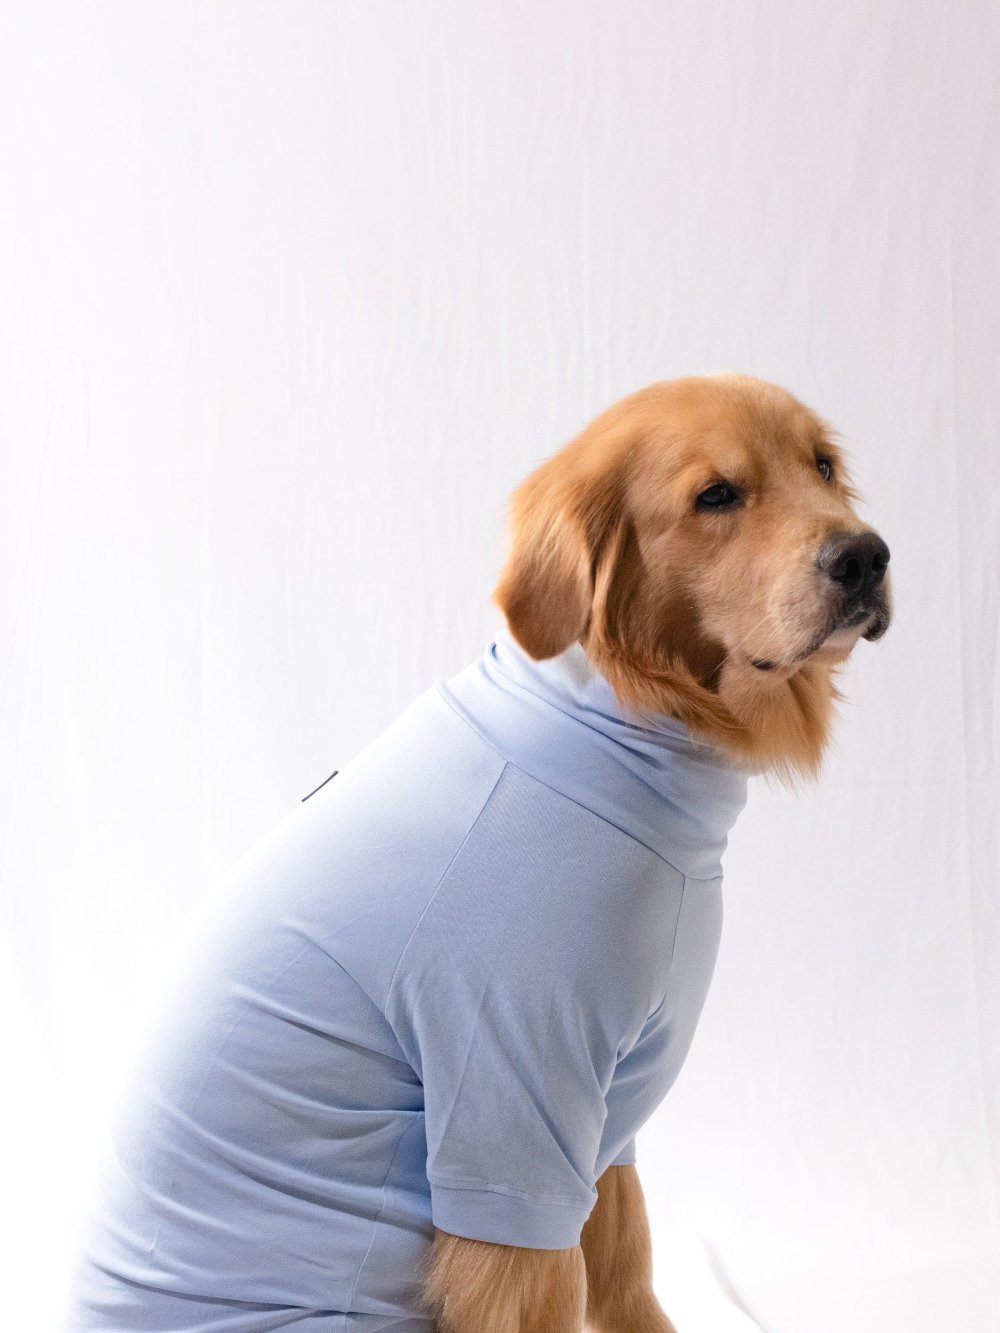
700,540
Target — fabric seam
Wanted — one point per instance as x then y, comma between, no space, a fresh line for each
444,875
627,833
472,1184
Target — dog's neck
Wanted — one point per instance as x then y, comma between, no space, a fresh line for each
560,720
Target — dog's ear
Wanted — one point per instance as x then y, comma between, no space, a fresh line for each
559,522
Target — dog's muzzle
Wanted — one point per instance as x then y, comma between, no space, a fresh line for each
856,564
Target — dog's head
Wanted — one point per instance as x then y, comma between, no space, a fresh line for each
700,539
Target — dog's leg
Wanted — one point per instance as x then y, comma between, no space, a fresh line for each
619,1258
477,1287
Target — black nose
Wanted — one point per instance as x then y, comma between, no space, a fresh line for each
855,560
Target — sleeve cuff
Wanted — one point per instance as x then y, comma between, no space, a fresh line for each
508,1219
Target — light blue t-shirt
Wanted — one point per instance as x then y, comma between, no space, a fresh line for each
447,989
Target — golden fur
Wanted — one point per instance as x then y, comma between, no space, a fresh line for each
476,1287
720,619
672,604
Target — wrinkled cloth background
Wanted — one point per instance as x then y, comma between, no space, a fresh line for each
291,295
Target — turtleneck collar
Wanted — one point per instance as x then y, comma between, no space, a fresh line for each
559,720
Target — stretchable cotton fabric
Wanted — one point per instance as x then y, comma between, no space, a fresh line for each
446,990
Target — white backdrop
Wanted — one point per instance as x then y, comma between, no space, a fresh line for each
291,294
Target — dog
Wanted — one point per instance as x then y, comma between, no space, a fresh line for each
399,1080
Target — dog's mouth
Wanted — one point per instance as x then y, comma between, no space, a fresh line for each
837,636
879,622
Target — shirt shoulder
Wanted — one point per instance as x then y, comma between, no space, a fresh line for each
555,900
532,970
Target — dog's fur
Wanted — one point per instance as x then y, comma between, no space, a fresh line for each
718,617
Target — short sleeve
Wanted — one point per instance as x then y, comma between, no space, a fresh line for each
647,1070
505,1003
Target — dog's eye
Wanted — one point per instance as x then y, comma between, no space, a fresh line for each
825,468
719,496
